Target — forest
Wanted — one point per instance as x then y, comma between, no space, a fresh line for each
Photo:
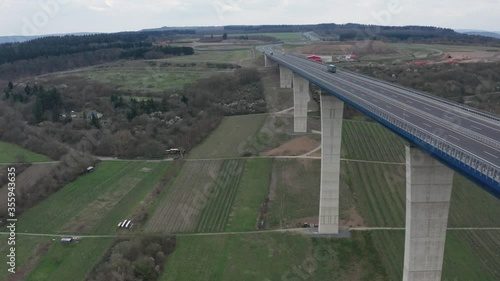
71,44
129,127
56,53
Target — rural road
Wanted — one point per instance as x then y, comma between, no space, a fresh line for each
296,230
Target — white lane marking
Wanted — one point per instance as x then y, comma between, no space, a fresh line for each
387,106
409,101
491,154
426,108
453,137
475,127
427,125
406,115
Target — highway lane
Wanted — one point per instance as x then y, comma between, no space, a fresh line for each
452,115
423,112
466,119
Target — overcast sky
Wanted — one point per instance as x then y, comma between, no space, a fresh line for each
35,17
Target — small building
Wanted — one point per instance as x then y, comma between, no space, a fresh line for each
67,239
314,58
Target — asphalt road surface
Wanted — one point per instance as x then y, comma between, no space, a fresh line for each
466,130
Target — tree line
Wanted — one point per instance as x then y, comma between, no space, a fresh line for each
72,44
352,31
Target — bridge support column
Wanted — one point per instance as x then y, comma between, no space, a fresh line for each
300,100
332,110
428,191
286,76
268,62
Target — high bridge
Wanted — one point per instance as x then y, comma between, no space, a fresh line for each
444,137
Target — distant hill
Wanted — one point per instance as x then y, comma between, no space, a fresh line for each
484,33
492,34
17,38
354,31
21,38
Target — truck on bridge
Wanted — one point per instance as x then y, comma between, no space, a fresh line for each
331,68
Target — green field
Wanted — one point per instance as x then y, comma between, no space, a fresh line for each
272,256
11,153
371,141
469,255
378,190
253,188
28,251
215,214
214,55
230,138
285,36
70,261
178,207
95,202
143,79
213,196
294,192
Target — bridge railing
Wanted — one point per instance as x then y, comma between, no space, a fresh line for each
482,166
487,169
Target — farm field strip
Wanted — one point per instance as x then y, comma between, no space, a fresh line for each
62,206
28,252
380,202
95,202
131,201
486,247
216,212
230,137
252,190
390,247
379,191
465,252
294,192
180,206
471,206
69,261
370,141
10,153
271,256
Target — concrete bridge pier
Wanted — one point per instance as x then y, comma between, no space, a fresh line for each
428,192
286,76
332,110
268,62
300,100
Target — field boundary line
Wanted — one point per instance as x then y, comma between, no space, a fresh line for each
295,230
294,157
